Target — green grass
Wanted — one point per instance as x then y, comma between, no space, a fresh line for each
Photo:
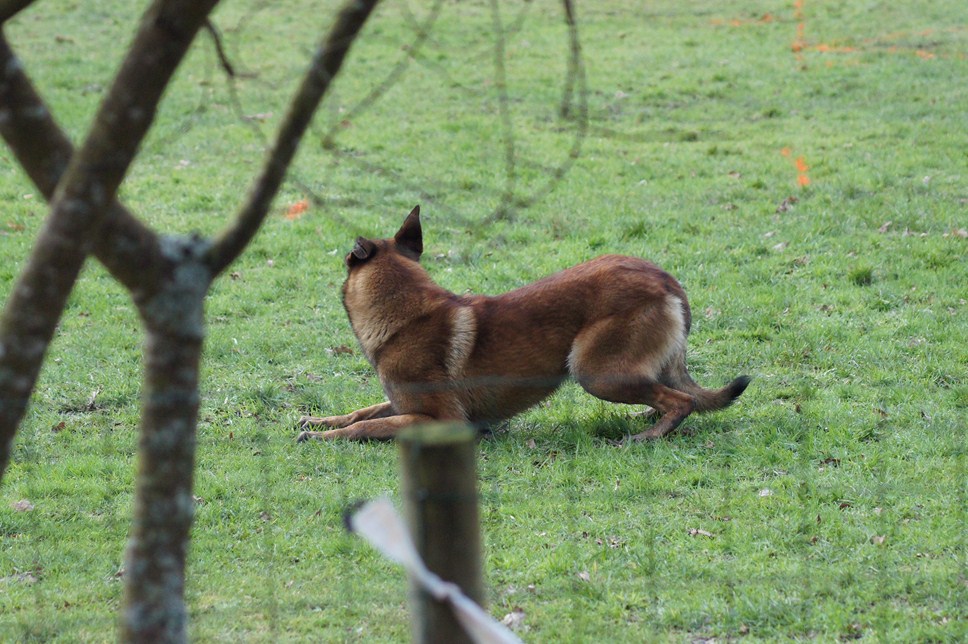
834,492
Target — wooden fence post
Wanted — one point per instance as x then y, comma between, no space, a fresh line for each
439,463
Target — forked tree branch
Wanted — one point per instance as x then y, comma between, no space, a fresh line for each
325,65
126,247
83,198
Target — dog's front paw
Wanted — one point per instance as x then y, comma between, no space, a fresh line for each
305,422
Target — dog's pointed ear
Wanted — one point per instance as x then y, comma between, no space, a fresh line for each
363,250
410,237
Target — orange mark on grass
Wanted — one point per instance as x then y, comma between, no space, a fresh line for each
800,163
802,179
297,210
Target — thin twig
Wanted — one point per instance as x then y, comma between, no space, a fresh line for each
423,31
326,64
219,50
504,109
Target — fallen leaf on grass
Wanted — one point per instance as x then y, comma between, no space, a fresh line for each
23,577
787,204
297,210
878,540
696,532
58,427
961,232
584,576
515,619
885,226
766,492
23,505
91,400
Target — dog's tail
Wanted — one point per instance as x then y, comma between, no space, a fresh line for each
678,377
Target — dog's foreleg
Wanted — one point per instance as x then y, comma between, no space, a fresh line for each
372,429
381,410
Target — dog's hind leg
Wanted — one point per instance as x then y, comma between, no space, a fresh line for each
621,358
672,405
381,410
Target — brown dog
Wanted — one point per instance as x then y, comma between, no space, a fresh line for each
618,325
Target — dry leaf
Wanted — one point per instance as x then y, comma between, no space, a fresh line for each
878,540
515,619
961,232
584,576
786,204
780,246
23,505
885,226
696,532
766,492
532,444
23,577
91,406
297,210
58,427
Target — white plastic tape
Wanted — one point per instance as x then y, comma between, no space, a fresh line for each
379,523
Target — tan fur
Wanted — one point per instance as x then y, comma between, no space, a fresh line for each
617,324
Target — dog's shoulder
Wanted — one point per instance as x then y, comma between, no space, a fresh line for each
463,335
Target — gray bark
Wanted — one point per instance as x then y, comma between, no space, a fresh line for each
168,277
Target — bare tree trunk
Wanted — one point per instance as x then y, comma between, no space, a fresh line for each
154,609
168,277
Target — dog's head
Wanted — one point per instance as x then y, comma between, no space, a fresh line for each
407,242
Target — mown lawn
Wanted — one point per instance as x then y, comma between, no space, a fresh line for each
801,167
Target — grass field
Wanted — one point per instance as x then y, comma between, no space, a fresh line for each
801,167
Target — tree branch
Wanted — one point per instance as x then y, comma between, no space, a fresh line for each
127,248
82,200
326,64
10,8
